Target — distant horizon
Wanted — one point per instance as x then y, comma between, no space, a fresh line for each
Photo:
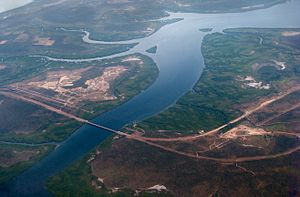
6,5
149,98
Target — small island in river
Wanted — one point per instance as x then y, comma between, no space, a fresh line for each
152,50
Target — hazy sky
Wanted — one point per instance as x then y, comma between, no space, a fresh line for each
11,4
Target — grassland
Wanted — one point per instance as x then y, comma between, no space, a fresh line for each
78,180
220,6
106,20
56,128
220,95
14,159
32,124
182,176
139,78
36,30
234,61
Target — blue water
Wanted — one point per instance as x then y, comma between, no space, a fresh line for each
6,5
180,63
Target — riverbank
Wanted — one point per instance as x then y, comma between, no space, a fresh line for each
226,82
222,7
142,72
231,80
179,70
15,158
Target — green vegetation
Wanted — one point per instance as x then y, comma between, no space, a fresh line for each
48,132
77,180
182,176
222,89
57,128
50,127
107,21
152,50
18,63
206,29
139,78
8,152
221,5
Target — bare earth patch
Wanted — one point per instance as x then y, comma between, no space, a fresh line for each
102,83
43,41
64,84
130,59
290,33
249,81
243,131
2,42
279,65
282,65
2,66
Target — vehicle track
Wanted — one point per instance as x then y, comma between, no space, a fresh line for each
215,131
278,115
145,141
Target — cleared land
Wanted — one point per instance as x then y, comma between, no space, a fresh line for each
225,155
40,109
223,91
85,92
68,86
72,87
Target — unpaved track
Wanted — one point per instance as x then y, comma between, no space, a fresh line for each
215,131
145,141
220,160
53,109
278,115
47,98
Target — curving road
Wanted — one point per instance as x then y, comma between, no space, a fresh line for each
180,63
147,140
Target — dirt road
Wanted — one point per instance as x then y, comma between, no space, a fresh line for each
215,131
221,160
48,107
278,115
148,142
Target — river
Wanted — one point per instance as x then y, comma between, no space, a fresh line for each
6,5
180,63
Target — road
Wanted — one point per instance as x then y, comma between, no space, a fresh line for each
52,100
279,114
221,160
215,131
148,142
48,107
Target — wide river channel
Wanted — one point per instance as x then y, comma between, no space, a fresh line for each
6,5
180,64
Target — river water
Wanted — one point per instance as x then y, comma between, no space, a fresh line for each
6,5
180,63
